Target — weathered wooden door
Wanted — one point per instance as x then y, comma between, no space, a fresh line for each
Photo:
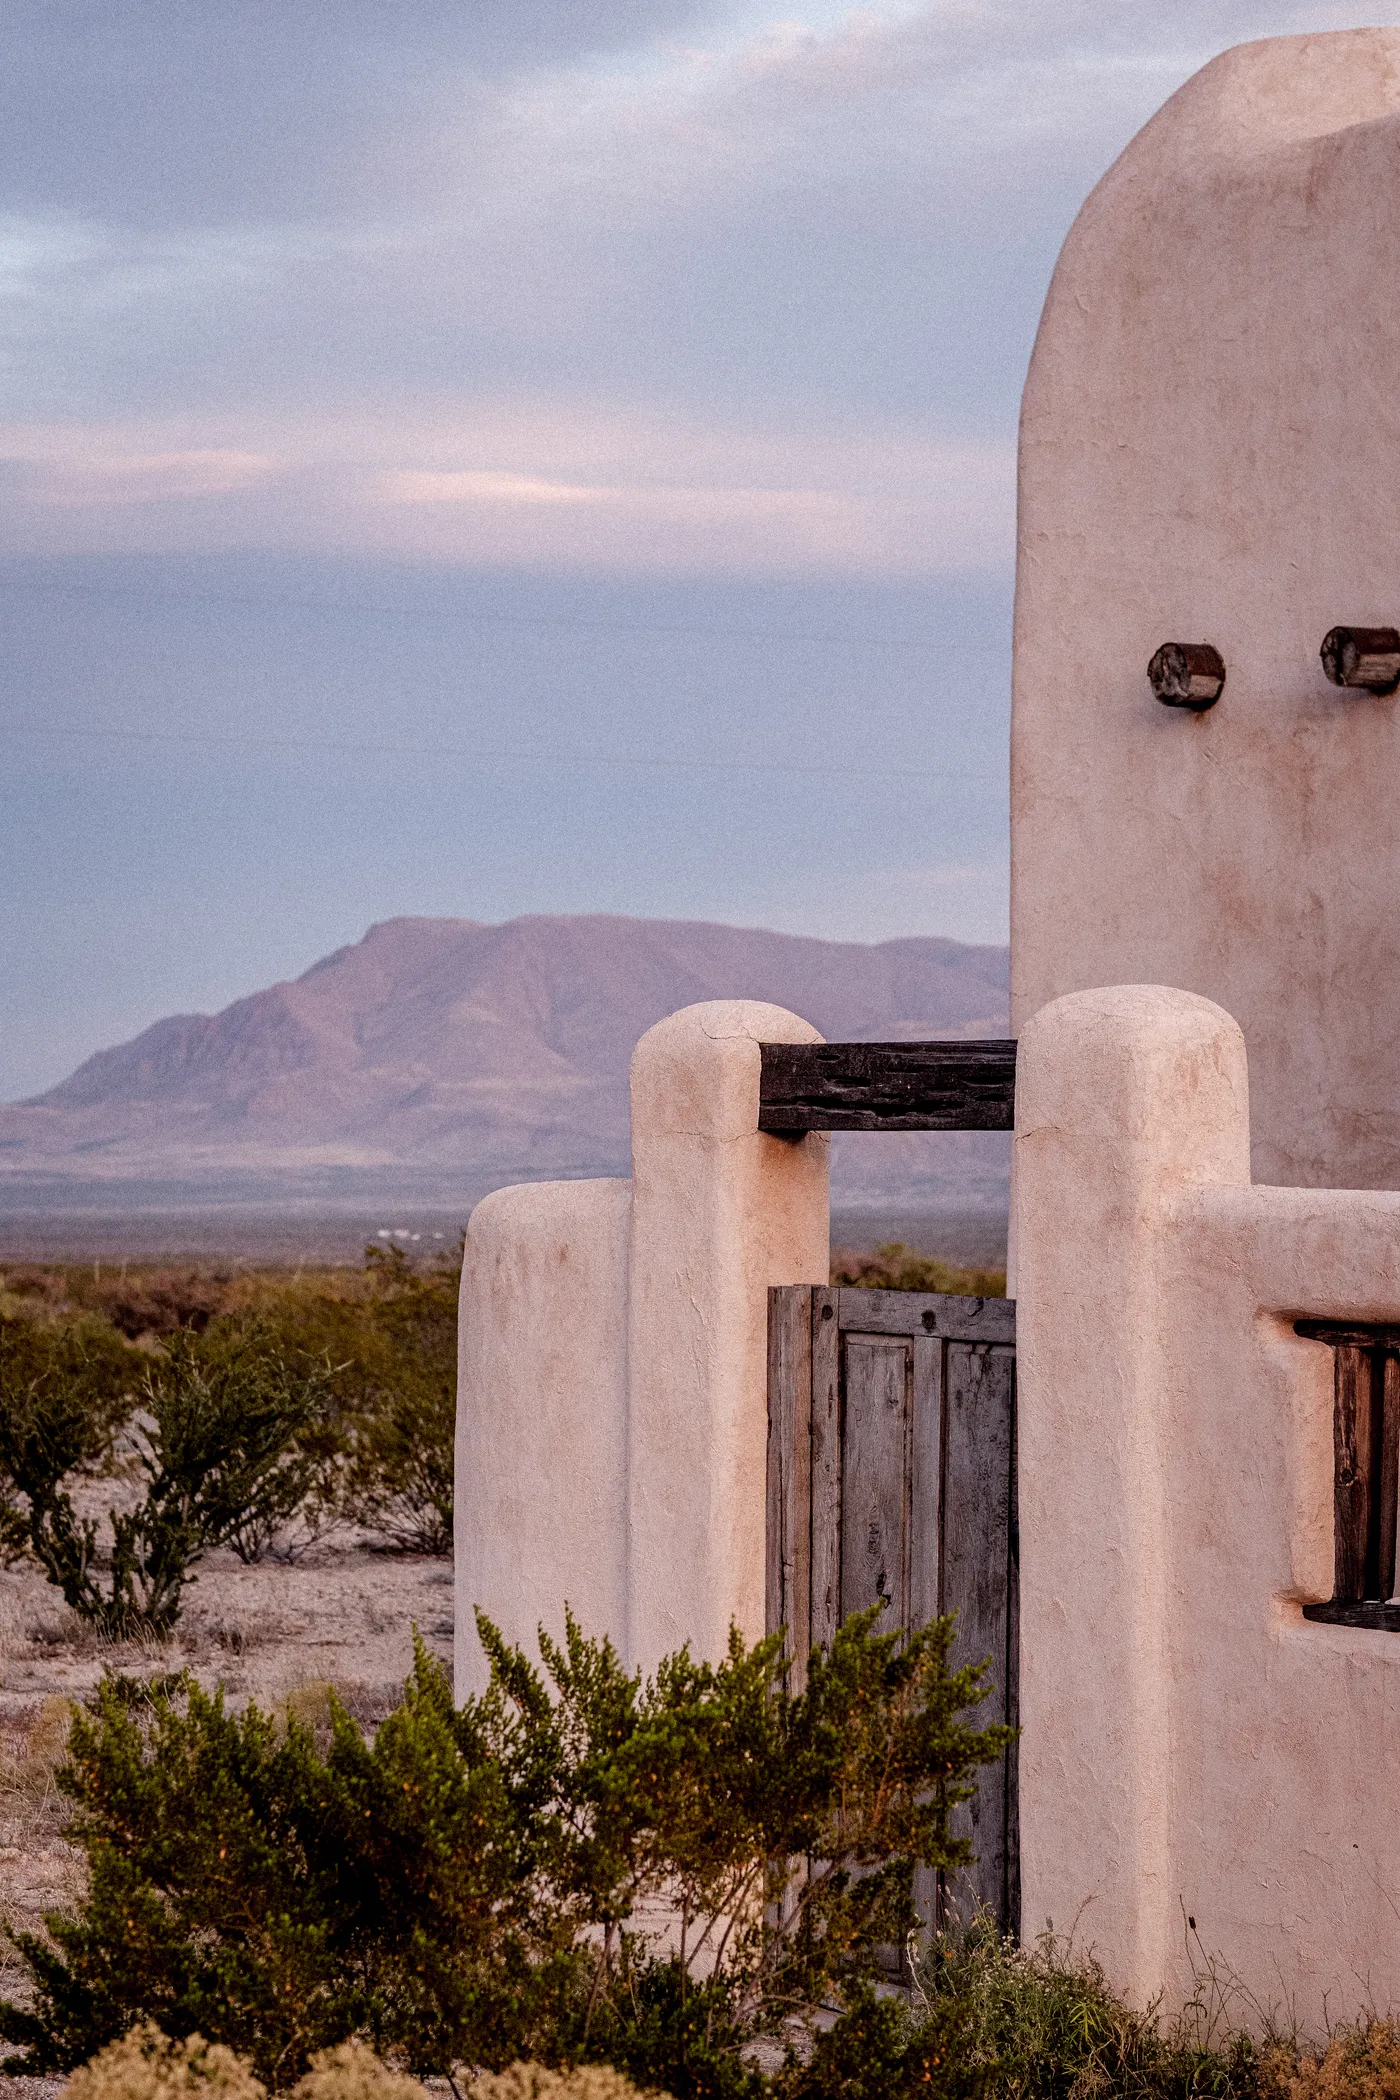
892,1474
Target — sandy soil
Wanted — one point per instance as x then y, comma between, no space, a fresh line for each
343,1615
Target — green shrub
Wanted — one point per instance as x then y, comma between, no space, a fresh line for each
391,1333
64,1394
400,1392
880,2050
258,1415
472,1885
895,1267
382,1456
226,1442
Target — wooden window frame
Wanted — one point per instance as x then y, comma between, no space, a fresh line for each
1366,1472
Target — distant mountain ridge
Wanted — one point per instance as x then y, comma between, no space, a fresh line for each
452,1056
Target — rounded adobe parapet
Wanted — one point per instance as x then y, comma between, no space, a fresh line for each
696,1074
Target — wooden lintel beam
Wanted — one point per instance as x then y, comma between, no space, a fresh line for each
887,1086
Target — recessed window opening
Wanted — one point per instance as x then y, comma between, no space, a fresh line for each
1366,1472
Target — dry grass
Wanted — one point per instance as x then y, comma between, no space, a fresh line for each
536,2082
1359,2063
29,1760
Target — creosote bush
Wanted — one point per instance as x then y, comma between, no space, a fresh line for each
391,1334
64,1394
399,1391
473,1885
231,1439
376,1448
895,1267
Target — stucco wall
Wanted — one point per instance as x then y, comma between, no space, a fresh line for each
540,1499
1192,1748
612,1406
1209,451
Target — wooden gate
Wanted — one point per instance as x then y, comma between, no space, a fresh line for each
892,1474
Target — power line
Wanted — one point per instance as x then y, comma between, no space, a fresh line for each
610,760
566,622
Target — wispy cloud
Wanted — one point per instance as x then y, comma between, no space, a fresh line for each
75,471
537,482
695,288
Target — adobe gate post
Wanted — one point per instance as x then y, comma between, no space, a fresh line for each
612,1367
1125,1099
719,1212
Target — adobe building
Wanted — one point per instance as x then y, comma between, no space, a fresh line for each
1205,940
1206,1188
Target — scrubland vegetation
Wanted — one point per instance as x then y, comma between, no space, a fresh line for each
203,1410
577,1887
256,1411
576,1867
895,1267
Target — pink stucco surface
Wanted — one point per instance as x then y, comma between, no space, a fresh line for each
1204,1775
1211,452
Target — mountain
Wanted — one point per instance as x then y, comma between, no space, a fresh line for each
443,1057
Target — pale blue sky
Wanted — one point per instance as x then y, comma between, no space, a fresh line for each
500,457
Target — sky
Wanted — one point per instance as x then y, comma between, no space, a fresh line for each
496,456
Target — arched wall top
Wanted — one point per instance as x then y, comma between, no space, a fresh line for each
1210,451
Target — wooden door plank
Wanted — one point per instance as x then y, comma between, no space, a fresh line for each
877,1376
976,1585
825,1611
925,1532
928,1312
788,1532
951,1473
925,1479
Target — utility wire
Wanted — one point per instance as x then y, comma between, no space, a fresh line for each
509,758
81,592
